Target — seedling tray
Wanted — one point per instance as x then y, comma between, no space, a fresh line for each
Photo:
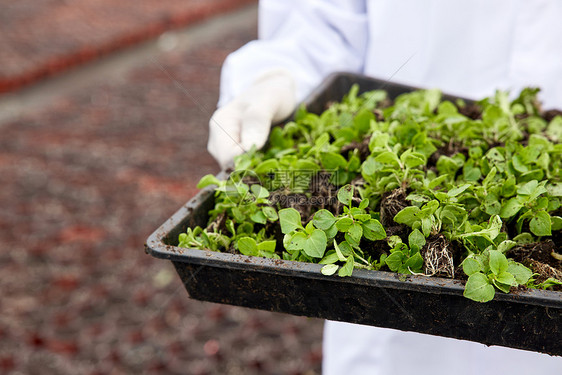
527,319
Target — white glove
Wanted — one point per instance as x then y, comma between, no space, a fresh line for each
247,119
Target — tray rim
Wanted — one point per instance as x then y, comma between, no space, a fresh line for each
390,280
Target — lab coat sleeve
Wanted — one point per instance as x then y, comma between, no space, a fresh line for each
309,38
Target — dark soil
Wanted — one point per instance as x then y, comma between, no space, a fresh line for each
539,251
472,111
322,194
537,256
376,248
551,114
298,201
362,147
449,149
379,116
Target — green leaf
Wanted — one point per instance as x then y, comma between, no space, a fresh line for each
267,166
437,181
506,278
429,208
331,232
470,172
267,245
347,269
208,180
323,219
346,248
331,160
540,224
294,241
363,119
259,191
412,159
470,266
426,224
453,215
355,231
548,283
270,213
490,233
506,245
373,230
501,286
447,108
528,188
521,273
416,240
510,208
329,269
498,262
306,165
478,288
447,165
315,245
344,223
395,260
339,253
361,217
414,263
354,163
407,216
555,189
554,129
524,238
364,204
556,222
290,220
258,217
508,187
345,194
458,190
490,176
329,258
518,164
238,215
393,241
388,157
247,246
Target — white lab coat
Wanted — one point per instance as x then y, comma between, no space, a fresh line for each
468,48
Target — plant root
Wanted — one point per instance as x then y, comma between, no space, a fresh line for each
438,257
391,204
218,224
544,270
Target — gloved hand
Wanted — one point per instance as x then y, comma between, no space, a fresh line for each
247,119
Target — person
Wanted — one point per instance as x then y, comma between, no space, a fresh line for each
466,48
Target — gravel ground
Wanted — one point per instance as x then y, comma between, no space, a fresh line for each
84,182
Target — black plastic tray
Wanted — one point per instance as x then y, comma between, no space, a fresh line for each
530,320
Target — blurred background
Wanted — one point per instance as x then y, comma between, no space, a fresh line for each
103,119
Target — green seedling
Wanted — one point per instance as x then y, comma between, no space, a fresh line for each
429,169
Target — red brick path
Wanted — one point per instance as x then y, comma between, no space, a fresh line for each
84,182
44,37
